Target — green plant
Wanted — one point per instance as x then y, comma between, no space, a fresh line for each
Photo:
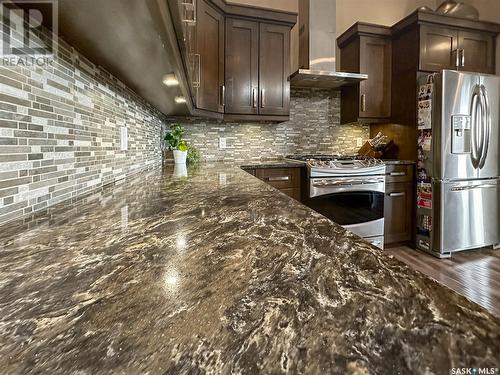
182,146
193,155
174,138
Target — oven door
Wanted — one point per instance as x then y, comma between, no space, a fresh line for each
356,203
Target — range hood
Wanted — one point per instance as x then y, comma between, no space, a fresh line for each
317,46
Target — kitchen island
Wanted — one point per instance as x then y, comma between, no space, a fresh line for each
218,272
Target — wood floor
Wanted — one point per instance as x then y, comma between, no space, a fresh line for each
474,274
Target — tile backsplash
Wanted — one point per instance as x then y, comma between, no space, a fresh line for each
60,129
314,127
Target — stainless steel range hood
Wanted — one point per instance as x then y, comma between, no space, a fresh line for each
317,45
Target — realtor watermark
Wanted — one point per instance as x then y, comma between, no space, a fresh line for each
29,31
474,371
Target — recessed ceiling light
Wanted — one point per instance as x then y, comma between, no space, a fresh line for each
170,80
180,99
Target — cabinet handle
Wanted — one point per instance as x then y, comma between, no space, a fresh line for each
281,178
254,98
197,62
189,8
456,53
262,98
363,102
397,174
462,58
399,194
222,96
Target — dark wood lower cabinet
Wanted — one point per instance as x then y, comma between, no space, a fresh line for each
286,180
399,203
398,209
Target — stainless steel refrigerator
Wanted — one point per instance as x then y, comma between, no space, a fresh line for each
458,170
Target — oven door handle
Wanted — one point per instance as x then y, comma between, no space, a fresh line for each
321,190
325,183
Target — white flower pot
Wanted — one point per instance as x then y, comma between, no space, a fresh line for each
180,170
180,157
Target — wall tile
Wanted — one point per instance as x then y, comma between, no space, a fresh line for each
314,127
60,136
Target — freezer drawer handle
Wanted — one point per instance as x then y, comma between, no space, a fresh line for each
397,174
482,186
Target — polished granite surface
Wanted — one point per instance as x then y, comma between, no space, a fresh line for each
219,273
273,163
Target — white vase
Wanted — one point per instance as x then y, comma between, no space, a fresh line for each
180,170
180,157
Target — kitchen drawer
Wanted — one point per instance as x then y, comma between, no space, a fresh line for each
293,193
280,178
399,173
398,212
249,170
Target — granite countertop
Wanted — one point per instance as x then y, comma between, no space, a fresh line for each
394,161
271,163
219,273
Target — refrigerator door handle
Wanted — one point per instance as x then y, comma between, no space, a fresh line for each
472,187
474,128
486,125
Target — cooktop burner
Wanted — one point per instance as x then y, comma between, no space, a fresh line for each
323,157
322,165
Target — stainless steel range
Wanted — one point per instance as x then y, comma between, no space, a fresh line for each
348,190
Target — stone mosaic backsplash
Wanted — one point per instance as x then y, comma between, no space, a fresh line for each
60,128
314,127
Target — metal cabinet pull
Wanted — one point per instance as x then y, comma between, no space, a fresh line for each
196,79
462,57
189,11
363,102
399,194
222,96
456,53
397,174
262,98
280,178
254,98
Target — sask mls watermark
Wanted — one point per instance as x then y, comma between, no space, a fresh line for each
29,32
474,371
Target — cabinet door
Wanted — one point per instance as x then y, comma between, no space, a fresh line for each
242,66
398,212
210,49
438,48
375,92
274,66
477,52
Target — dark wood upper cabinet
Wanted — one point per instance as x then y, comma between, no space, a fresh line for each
438,48
242,66
236,59
210,55
366,48
450,48
274,69
477,51
257,68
